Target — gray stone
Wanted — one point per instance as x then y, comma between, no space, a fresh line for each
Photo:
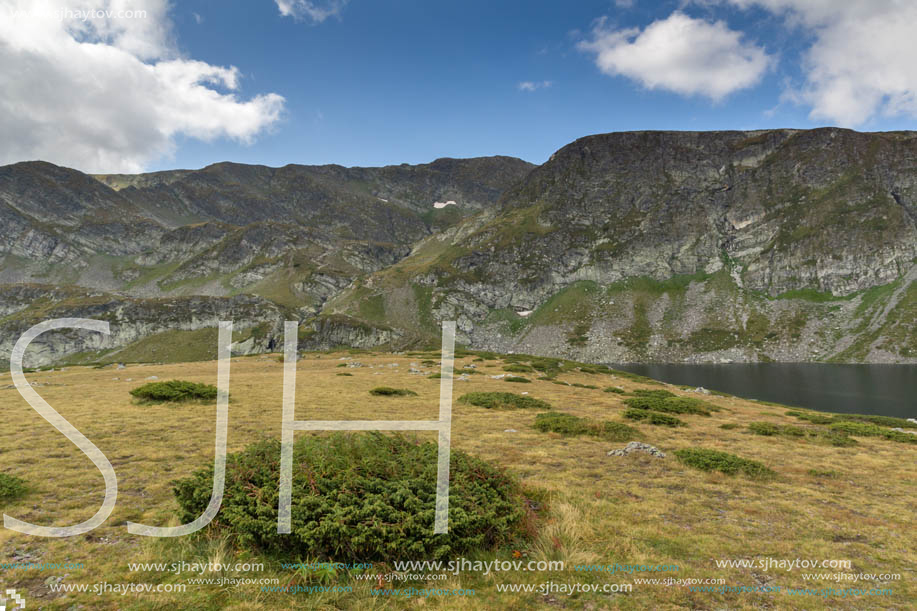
638,446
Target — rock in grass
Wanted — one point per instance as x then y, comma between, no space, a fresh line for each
638,446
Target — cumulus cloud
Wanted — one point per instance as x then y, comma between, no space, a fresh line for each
88,86
534,85
316,12
861,62
681,54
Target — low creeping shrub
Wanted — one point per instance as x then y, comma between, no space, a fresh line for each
503,400
671,405
175,391
866,429
653,417
11,487
570,425
362,495
724,462
388,391
833,437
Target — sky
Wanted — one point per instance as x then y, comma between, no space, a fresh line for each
111,86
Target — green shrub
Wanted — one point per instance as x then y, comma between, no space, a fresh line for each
813,418
435,376
547,365
730,464
671,405
888,421
568,424
516,368
345,374
365,495
899,436
770,429
342,365
833,437
822,473
585,386
519,379
658,394
429,363
11,487
880,420
175,391
689,405
565,424
860,429
388,391
503,400
729,426
764,428
616,390
653,417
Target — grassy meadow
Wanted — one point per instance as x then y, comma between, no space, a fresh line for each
824,500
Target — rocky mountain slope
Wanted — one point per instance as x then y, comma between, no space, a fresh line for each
666,246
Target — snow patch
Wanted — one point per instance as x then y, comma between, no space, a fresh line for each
524,313
439,205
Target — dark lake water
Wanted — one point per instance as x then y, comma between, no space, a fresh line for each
886,390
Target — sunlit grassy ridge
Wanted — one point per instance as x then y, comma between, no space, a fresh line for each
586,507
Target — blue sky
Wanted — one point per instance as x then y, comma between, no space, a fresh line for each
410,81
363,82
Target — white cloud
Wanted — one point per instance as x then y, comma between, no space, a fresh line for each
861,63
317,12
624,3
197,18
681,54
108,94
534,85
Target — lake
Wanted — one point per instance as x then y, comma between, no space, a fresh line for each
886,390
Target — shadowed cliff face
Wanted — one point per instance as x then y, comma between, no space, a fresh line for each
782,244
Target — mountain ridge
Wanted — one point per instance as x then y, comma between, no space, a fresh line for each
646,245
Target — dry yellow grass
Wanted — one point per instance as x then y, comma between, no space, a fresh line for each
598,509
